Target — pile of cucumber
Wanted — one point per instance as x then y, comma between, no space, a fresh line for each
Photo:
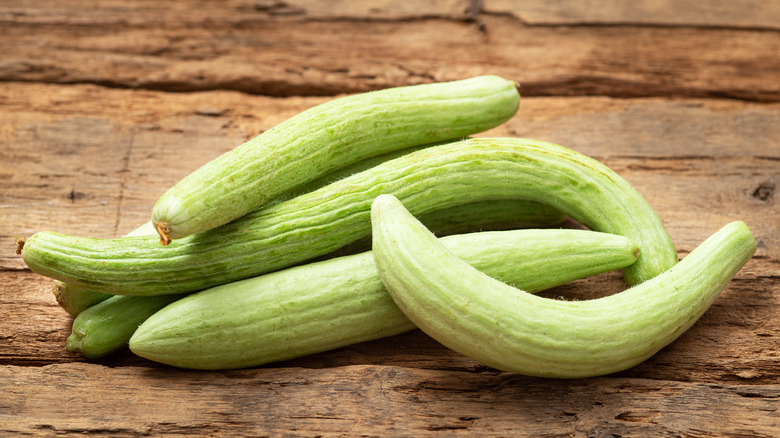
320,233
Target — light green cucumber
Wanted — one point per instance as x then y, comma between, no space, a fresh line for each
322,221
324,138
325,305
512,330
107,326
476,216
485,215
75,299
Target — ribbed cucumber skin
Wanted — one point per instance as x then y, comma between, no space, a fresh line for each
324,220
326,137
338,302
511,330
75,299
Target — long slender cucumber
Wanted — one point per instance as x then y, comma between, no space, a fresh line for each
103,328
477,216
466,218
327,137
326,219
511,330
338,302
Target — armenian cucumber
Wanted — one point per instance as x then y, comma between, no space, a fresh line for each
338,302
107,327
327,137
322,221
467,218
477,216
512,330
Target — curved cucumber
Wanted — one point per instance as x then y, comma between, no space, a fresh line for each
477,216
338,302
325,138
325,220
512,330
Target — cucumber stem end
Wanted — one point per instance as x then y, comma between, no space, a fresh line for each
163,229
19,244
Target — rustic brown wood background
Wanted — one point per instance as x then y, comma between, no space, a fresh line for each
105,104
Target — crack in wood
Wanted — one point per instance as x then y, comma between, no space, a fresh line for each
124,173
765,191
634,417
631,24
582,86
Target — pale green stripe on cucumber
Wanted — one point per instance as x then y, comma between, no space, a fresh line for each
338,302
326,137
512,330
329,218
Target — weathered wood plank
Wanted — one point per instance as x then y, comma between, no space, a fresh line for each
374,400
248,49
151,12
752,14
92,159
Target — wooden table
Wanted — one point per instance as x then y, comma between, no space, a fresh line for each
104,105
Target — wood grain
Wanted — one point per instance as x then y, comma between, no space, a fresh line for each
385,400
257,51
750,14
106,104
